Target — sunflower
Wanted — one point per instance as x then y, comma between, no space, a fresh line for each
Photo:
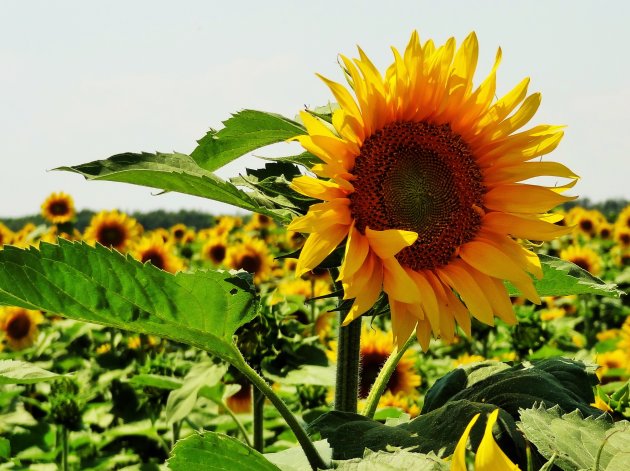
622,237
583,257
113,229
586,222
605,230
623,219
20,326
259,222
252,255
408,403
178,231
241,401
6,235
215,250
58,208
420,176
153,249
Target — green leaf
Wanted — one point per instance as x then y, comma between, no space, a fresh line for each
554,381
95,284
5,448
399,459
580,444
305,159
562,278
182,401
294,459
155,381
431,432
175,172
244,132
215,451
307,374
22,372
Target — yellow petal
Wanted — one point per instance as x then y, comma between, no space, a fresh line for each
357,248
427,297
489,456
522,171
522,198
318,246
398,284
461,281
520,118
423,333
459,456
388,243
319,189
403,323
344,98
323,215
369,294
505,105
522,227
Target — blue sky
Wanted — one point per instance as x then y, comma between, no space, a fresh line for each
81,81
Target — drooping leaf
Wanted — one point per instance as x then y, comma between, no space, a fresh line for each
155,381
22,372
579,443
562,278
182,401
244,132
215,451
394,461
175,172
555,381
95,284
438,430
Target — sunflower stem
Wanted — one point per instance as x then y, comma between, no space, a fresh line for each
348,360
258,404
378,388
313,456
65,452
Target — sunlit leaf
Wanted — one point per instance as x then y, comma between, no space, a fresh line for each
22,372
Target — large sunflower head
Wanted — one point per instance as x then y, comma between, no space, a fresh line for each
154,250
421,175
19,326
58,208
113,229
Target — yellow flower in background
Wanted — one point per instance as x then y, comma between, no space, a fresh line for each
605,230
58,208
154,250
251,255
258,222
20,326
466,359
420,177
585,221
551,314
113,229
6,235
405,402
622,237
489,457
615,360
623,219
584,257
215,250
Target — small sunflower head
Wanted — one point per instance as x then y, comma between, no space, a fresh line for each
113,229
58,208
20,326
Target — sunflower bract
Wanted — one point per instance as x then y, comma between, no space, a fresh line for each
422,177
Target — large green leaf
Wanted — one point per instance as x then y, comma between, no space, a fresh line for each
555,381
578,443
22,372
95,284
215,451
350,434
562,278
244,132
175,172
399,459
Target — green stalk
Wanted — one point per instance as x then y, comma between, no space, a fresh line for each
238,423
348,359
258,404
383,378
65,452
314,459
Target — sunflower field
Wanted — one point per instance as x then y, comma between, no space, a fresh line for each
401,294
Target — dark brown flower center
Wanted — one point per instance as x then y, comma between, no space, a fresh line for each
419,177
582,263
155,257
111,235
250,263
178,233
19,326
59,208
586,225
217,253
605,233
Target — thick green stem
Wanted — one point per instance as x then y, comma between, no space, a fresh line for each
348,359
65,452
258,404
383,378
314,459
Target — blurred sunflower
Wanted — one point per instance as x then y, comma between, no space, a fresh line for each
252,255
420,175
6,235
587,222
178,231
622,237
584,257
20,326
605,230
113,229
241,401
376,347
623,219
153,249
215,250
259,222
405,402
58,208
